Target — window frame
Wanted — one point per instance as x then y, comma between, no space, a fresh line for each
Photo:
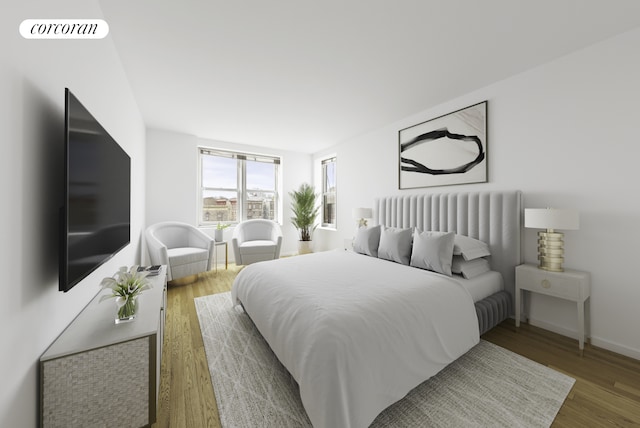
326,192
242,158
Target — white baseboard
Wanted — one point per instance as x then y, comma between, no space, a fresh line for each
595,341
554,328
616,347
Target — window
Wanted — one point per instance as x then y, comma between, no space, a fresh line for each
237,186
329,197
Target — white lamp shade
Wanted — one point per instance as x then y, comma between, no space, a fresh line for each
551,218
362,213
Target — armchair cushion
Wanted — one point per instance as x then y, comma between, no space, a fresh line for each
258,247
183,256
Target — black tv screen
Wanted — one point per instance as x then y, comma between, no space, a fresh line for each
96,212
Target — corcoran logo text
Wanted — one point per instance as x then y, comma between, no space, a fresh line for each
64,29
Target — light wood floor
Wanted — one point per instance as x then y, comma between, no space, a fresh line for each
606,393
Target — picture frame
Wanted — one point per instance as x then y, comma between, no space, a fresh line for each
447,150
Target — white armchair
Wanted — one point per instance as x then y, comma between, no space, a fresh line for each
256,240
185,249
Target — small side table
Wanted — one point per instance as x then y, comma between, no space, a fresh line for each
570,285
226,253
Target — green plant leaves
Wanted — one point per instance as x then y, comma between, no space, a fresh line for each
305,210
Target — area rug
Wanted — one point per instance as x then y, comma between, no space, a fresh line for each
489,386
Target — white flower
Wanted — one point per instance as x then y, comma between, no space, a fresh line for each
127,283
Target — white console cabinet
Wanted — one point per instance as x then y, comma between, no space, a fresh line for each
98,373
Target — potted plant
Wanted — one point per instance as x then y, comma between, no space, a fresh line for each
305,211
217,236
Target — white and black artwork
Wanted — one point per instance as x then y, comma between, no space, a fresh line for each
450,149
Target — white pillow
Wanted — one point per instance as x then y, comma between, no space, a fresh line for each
433,251
395,245
470,248
367,240
469,268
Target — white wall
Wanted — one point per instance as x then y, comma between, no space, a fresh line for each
172,174
33,75
566,134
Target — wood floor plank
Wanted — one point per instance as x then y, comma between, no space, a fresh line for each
624,387
612,407
178,412
606,393
206,397
193,410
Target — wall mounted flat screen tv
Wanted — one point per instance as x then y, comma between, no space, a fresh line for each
96,213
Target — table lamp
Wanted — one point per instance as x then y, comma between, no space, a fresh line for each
361,215
550,242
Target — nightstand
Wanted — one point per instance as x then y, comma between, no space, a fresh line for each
570,285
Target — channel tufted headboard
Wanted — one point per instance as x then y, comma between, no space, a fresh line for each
492,217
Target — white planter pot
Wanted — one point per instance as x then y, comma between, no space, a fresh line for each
304,247
217,235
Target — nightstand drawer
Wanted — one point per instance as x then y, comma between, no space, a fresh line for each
566,287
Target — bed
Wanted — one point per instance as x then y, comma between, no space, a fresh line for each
358,332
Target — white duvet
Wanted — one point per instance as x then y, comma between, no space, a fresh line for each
357,333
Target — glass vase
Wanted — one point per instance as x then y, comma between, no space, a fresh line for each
128,311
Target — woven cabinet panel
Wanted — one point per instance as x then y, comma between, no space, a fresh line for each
105,387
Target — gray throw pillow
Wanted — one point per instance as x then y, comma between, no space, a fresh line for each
395,245
433,251
367,240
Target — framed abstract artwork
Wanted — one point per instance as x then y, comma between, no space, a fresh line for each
450,149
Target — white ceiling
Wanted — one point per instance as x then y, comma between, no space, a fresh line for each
303,75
